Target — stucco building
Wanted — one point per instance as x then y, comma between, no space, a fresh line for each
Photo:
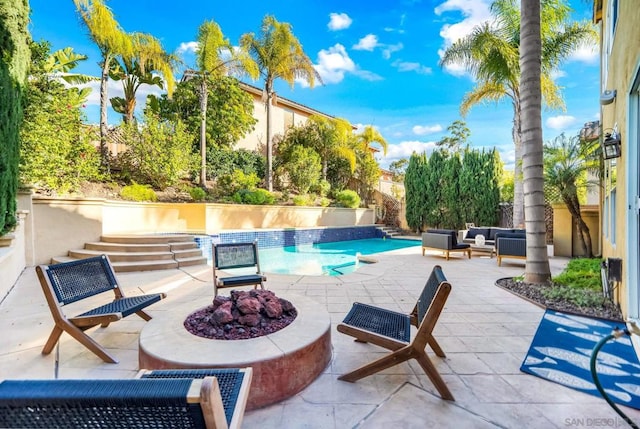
619,23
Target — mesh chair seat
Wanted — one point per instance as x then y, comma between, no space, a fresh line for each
229,381
125,306
128,403
241,280
380,321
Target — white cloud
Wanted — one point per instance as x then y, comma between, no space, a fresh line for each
586,54
474,12
406,148
333,63
426,129
560,122
187,47
557,74
405,66
367,75
339,21
367,43
390,49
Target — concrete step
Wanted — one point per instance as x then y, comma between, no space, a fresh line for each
187,253
105,247
147,239
142,252
123,256
194,260
121,267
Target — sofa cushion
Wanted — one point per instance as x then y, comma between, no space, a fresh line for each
494,231
473,232
451,232
507,234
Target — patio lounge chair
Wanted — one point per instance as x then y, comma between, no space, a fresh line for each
73,281
169,400
232,256
392,331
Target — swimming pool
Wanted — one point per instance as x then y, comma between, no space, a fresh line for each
332,259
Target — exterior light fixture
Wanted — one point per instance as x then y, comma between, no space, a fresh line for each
611,145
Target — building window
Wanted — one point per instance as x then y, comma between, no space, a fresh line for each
288,119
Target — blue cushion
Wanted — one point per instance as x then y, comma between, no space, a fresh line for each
473,232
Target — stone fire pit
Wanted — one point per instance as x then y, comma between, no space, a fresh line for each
283,362
242,315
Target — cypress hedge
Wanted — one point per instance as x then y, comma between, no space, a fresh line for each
14,50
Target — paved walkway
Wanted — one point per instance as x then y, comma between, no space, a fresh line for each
484,330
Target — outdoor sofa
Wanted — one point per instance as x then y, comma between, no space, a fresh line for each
511,245
445,240
488,232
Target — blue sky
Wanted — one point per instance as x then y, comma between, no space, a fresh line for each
378,60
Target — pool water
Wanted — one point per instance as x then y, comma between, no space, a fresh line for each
332,259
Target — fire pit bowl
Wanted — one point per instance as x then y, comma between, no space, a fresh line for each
283,362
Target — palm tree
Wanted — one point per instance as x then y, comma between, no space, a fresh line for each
216,56
278,55
490,53
60,63
137,67
537,268
107,34
566,163
332,139
371,135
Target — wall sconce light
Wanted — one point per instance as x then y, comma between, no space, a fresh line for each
611,145
608,96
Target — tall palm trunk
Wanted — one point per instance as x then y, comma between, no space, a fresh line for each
104,77
204,98
518,182
269,89
537,263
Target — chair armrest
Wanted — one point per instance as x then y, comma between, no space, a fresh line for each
511,246
436,241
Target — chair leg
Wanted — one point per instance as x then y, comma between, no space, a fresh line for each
433,375
53,339
435,346
378,365
88,342
144,315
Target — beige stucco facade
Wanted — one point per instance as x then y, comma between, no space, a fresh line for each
620,60
285,113
566,241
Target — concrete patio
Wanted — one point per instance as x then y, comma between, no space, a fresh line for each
484,330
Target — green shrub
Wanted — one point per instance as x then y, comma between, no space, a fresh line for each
581,273
137,192
578,296
348,198
579,283
321,188
229,184
304,168
302,200
324,202
197,194
256,197
159,152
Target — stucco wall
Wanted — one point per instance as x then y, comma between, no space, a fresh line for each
623,62
565,234
12,258
257,139
60,225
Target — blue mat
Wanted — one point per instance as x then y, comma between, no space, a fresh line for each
561,351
